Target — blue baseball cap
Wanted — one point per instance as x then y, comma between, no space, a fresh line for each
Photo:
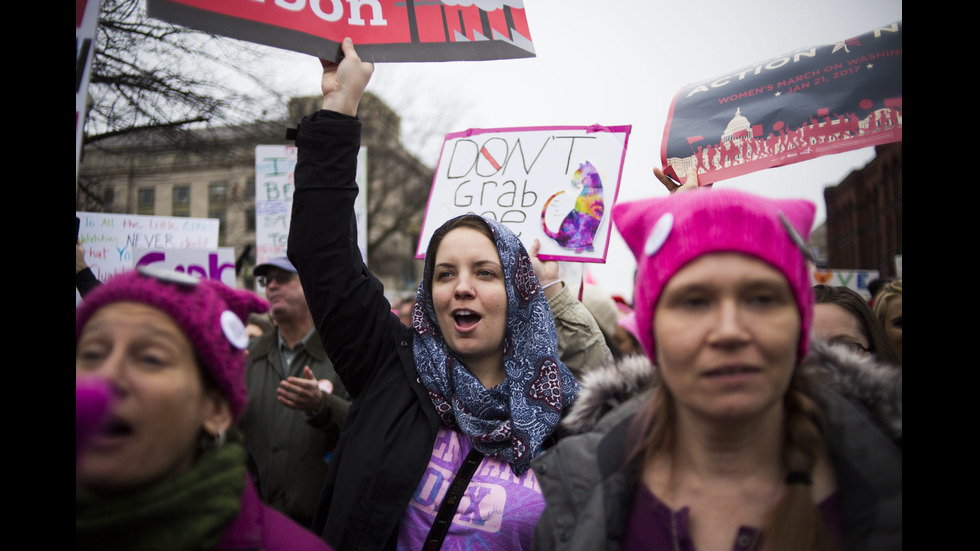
280,262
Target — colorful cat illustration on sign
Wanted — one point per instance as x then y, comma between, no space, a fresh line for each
579,227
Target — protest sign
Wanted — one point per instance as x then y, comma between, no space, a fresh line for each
382,30
856,280
86,25
557,184
110,241
217,264
274,185
805,104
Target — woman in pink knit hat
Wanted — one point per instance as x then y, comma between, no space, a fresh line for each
159,376
732,432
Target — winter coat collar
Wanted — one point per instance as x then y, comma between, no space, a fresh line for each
862,379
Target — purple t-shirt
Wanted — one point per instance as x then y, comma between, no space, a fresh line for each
498,509
654,525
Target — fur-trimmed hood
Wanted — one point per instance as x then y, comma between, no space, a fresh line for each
863,379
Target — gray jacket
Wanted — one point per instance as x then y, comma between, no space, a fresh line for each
589,487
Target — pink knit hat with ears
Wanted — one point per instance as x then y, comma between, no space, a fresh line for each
667,233
211,314
628,322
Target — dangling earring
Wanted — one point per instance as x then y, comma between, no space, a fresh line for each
212,442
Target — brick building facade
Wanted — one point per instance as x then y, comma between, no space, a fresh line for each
864,215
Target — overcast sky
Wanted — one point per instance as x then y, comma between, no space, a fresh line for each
619,62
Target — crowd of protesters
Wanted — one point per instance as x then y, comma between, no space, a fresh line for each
732,405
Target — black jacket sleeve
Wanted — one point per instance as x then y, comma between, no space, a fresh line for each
347,302
85,281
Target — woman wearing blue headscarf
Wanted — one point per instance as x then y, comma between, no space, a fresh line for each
475,385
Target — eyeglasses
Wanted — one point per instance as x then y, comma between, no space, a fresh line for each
281,278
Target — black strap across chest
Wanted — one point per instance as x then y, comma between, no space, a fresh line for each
451,502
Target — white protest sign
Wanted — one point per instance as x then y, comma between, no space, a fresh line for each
218,264
556,184
109,241
856,280
274,186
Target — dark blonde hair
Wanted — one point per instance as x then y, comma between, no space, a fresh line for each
796,522
891,290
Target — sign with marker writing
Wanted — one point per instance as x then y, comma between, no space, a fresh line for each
110,241
274,185
555,184
382,30
807,103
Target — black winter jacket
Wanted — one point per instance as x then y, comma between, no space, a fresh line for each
386,443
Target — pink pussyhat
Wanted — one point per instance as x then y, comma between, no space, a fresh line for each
628,322
211,314
667,233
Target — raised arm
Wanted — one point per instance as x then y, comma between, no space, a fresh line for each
347,302
343,83
690,182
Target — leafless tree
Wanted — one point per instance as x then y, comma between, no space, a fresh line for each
148,74
182,97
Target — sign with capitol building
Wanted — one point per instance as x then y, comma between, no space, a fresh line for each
808,103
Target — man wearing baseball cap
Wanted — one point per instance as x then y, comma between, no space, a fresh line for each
296,401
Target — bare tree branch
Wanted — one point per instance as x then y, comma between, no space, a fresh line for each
148,73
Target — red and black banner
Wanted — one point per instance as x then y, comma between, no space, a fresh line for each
807,103
382,30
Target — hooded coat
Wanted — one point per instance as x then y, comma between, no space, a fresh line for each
589,488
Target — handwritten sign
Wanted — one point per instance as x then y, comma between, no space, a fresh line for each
216,264
856,280
801,105
557,184
274,186
382,30
110,241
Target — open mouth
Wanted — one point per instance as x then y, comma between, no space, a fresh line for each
466,319
115,428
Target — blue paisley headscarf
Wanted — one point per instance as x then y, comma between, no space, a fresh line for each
511,420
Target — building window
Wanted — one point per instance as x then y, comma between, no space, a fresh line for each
250,187
250,219
218,205
145,198
182,201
